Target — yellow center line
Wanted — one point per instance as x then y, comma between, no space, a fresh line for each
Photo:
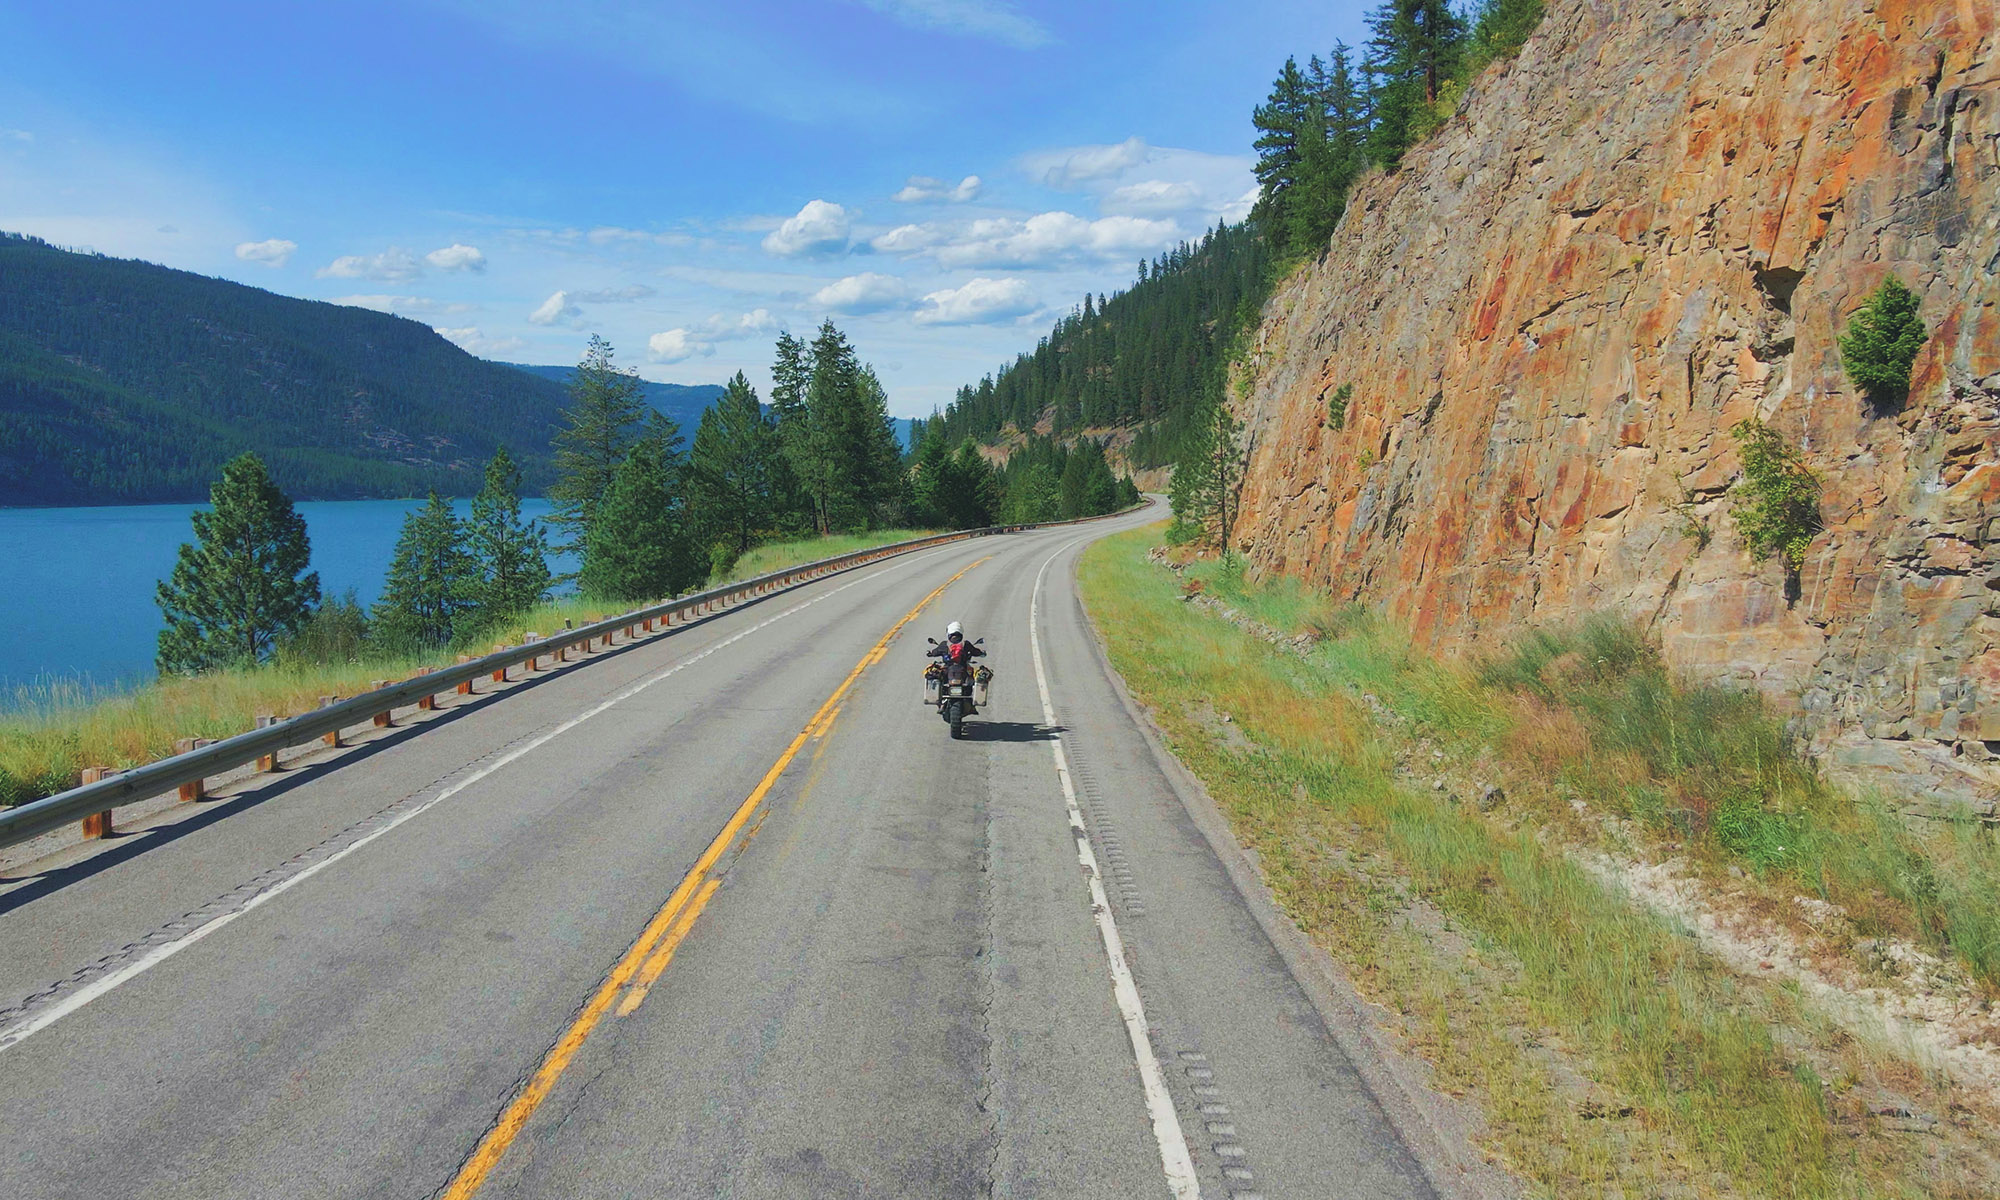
650,954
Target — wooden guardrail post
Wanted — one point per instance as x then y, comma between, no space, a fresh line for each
381,718
465,687
194,789
427,702
332,736
267,762
97,825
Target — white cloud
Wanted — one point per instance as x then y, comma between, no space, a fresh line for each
923,187
624,295
677,345
757,320
1043,240
405,305
472,341
980,302
556,310
1081,164
720,328
16,135
393,265
819,229
1152,197
275,252
457,257
864,293
991,19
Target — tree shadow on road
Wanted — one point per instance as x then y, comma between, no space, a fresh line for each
1010,731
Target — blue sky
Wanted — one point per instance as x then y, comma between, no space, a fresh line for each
943,177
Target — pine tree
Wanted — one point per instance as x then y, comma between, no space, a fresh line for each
433,583
1881,343
736,477
510,553
1283,124
1500,28
639,548
1034,493
930,480
606,407
1416,50
973,495
242,584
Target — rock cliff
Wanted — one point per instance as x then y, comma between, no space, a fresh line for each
1651,225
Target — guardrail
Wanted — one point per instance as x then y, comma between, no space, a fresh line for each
93,801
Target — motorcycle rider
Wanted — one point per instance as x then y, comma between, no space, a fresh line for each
954,648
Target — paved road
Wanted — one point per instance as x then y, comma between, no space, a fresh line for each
424,972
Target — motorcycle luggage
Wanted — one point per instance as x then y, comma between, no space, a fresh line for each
982,687
932,692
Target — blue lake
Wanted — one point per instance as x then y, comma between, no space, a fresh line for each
76,584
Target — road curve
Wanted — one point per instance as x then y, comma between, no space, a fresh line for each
725,913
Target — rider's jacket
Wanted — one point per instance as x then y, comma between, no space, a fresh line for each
960,651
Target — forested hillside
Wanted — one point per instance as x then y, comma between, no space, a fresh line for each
127,382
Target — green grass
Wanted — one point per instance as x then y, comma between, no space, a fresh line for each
50,733
1726,1099
776,556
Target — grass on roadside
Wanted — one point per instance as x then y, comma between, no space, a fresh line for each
1692,1081
50,733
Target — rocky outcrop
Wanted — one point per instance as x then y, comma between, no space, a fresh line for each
1648,227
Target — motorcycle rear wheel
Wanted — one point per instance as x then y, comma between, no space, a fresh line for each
954,712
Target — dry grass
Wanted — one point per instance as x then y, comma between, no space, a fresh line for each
1611,1054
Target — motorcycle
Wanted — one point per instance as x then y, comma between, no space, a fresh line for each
956,689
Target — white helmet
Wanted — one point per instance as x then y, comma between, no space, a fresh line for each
953,629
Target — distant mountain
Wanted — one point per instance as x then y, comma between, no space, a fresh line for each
681,401
127,382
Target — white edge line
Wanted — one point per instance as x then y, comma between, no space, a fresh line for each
23,1030
1174,1157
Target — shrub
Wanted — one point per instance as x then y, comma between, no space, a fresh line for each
1882,341
1776,505
1336,405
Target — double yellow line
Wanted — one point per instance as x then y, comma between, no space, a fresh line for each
640,967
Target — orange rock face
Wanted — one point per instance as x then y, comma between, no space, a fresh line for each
1652,225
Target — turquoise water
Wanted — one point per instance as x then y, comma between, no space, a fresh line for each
76,584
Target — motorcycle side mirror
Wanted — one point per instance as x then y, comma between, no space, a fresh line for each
932,641
979,641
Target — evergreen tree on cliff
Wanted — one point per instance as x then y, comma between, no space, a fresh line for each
509,551
433,585
606,404
242,584
1416,50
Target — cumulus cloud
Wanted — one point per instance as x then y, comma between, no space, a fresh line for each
405,305
472,341
457,257
864,293
923,187
556,310
393,265
820,229
979,302
1043,240
1080,164
275,252
993,20
677,345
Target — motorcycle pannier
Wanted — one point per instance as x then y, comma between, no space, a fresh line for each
931,692
982,686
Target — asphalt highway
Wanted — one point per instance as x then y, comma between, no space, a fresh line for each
722,913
